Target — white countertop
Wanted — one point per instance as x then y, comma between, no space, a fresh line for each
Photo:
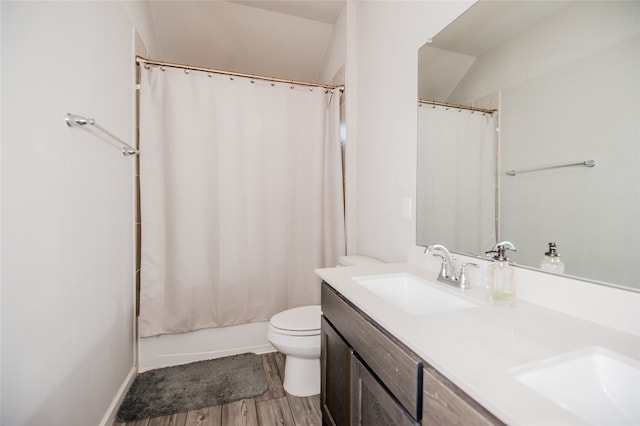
478,348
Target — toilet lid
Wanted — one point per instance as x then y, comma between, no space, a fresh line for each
304,318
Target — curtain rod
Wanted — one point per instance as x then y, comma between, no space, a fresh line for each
456,106
140,59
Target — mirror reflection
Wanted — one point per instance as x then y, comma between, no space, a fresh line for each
558,160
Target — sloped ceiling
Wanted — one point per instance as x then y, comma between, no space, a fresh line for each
326,11
484,26
285,39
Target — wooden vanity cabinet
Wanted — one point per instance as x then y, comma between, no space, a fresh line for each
365,371
370,378
335,382
446,404
350,393
371,403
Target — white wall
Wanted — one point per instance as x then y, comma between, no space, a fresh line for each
381,74
592,214
67,212
140,14
335,55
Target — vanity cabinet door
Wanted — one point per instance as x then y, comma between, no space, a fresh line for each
399,369
371,404
444,404
335,382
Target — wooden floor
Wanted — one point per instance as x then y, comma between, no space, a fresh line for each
272,408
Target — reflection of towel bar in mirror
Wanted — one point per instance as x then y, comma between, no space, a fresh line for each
588,163
75,120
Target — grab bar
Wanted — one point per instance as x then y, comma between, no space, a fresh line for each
587,163
76,120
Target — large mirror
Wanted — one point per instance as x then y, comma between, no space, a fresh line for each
559,159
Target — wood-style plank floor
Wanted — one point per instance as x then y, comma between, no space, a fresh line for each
272,408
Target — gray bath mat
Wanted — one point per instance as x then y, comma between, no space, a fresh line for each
193,386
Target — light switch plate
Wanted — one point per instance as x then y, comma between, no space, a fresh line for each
406,208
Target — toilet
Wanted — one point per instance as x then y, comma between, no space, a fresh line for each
296,333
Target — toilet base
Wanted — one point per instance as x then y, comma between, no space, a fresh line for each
301,376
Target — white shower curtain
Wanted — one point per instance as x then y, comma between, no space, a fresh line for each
241,198
457,158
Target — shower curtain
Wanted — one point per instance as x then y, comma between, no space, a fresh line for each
457,160
241,198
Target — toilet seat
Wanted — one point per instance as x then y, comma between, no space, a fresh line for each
301,321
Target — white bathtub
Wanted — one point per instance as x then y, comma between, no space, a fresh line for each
174,349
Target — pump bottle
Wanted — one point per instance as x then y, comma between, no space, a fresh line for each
502,284
551,261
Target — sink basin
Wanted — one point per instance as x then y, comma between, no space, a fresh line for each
412,294
599,386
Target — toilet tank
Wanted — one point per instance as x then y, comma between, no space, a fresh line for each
357,260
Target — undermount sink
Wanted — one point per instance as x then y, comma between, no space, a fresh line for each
412,294
599,386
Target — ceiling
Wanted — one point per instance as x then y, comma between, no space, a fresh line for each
487,24
284,39
326,11
289,38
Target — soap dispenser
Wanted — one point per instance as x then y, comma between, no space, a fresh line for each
551,261
502,283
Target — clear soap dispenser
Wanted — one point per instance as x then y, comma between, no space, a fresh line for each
551,261
502,283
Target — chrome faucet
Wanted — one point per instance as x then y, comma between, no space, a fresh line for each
448,273
448,268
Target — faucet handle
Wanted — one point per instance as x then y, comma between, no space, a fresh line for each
464,279
443,267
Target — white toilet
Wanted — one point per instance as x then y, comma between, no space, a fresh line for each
296,333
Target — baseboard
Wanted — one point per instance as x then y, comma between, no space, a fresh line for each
110,415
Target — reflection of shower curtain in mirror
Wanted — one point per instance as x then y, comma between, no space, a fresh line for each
241,198
456,179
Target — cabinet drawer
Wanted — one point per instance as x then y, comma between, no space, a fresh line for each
395,366
445,404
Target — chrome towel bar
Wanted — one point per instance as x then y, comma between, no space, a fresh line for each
76,120
587,163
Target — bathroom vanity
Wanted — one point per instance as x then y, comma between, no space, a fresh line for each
399,348
371,378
